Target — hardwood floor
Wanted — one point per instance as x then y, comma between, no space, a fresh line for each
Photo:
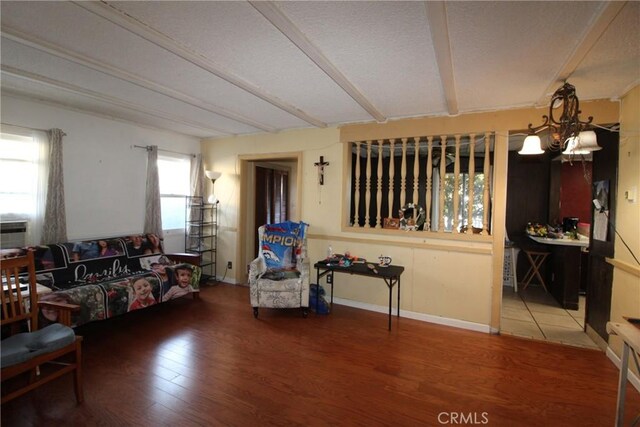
209,362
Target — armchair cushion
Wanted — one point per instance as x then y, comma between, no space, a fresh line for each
25,346
280,244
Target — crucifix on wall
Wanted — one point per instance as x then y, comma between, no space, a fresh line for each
320,165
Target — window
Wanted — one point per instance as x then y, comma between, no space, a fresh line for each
174,175
478,207
23,177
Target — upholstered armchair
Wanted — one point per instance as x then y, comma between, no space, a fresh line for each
279,276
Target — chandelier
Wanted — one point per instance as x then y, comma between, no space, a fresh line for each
568,133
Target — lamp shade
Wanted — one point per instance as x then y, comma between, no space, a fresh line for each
531,146
212,175
589,141
573,147
584,143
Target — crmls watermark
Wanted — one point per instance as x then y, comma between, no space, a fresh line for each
460,418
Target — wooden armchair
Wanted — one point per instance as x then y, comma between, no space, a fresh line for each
26,352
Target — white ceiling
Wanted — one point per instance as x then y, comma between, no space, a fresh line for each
213,69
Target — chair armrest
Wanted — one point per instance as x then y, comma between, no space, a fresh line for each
304,267
64,310
188,258
257,268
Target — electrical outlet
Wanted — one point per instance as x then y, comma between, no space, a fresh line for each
229,265
329,279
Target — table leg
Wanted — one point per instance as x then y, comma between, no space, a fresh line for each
390,302
622,385
332,281
317,289
398,283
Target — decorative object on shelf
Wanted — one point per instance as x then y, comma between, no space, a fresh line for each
568,133
384,261
201,233
213,176
320,165
412,217
391,223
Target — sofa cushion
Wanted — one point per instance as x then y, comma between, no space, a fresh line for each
25,346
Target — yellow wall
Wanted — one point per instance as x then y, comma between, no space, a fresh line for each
625,299
449,279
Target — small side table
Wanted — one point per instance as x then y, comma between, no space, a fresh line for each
536,259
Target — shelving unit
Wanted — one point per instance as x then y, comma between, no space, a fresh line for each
201,233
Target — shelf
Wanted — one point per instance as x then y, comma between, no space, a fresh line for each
201,229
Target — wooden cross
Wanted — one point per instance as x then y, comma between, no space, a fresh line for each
320,165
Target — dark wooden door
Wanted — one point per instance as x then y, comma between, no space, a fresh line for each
272,198
600,273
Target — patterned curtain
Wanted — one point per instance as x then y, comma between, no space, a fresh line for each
55,219
153,213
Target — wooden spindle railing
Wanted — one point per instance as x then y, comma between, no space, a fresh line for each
429,183
443,170
485,203
356,219
367,193
472,180
379,193
450,188
391,175
403,173
456,186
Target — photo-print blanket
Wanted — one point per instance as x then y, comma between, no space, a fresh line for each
109,277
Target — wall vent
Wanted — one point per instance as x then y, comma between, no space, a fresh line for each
13,234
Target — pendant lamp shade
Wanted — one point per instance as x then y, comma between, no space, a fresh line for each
531,146
584,143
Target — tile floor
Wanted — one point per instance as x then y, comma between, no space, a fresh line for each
535,314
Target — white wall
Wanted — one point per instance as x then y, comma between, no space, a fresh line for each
104,175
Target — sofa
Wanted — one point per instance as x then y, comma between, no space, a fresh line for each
110,277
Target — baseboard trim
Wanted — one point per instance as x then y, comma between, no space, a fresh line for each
631,376
439,320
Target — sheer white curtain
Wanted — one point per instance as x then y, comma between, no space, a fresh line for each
55,218
197,187
197,176
24,153
153,212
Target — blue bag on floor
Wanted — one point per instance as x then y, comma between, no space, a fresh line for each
321,303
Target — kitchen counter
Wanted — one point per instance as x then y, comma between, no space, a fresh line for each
566,268
582,241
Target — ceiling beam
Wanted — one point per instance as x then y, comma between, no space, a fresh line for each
279,20
437,17
117,17
593,31
57,103
77,90
78,58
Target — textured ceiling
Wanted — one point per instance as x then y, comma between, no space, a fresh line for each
213,69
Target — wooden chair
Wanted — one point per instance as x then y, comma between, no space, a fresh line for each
25,352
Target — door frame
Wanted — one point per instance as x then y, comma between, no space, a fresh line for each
244,164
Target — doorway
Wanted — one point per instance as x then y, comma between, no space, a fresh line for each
262,169
534,312
271,186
